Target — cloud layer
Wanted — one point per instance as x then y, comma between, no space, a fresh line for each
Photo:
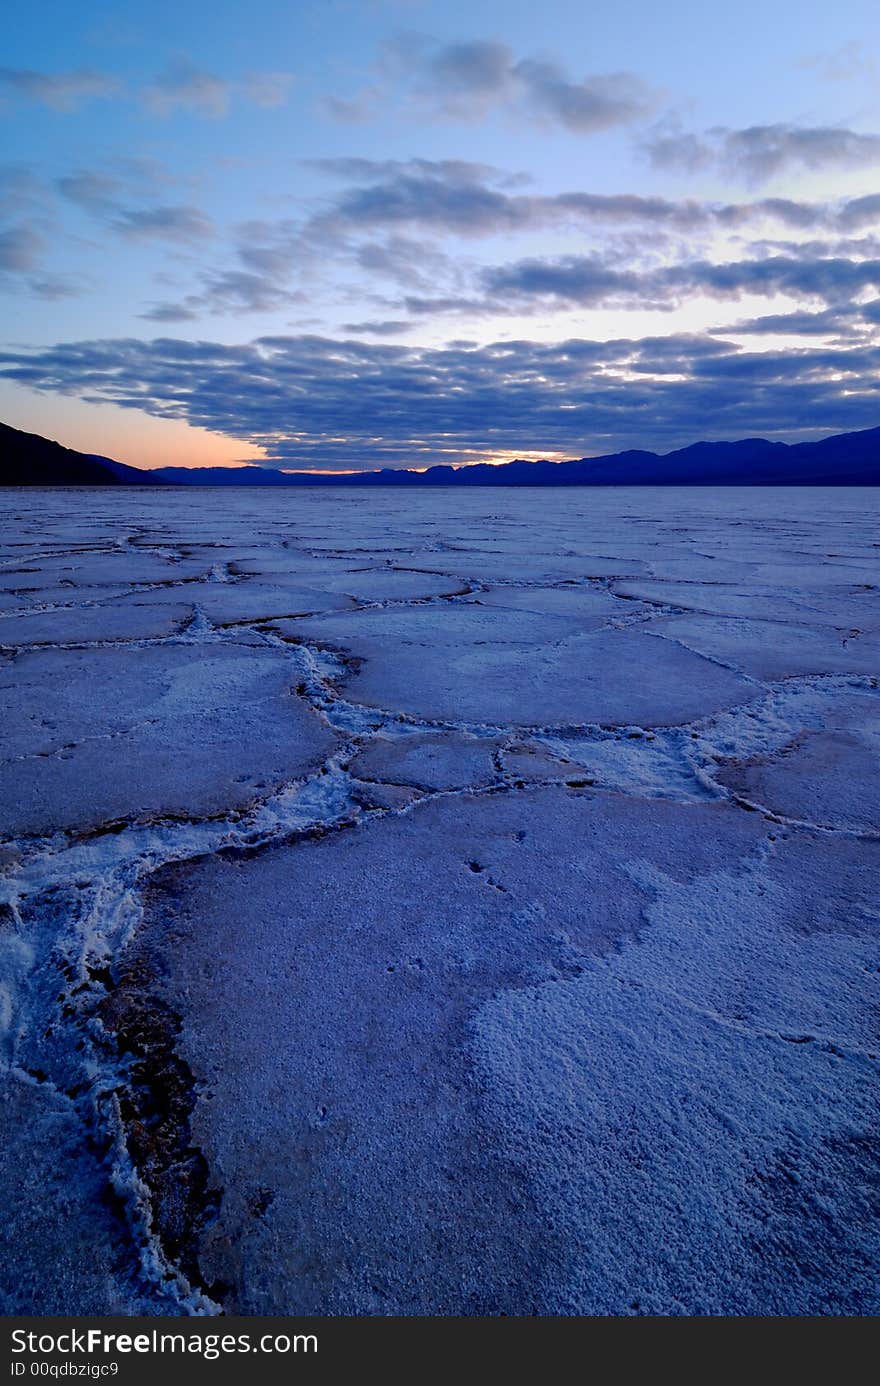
758,153
181,86
469,80
392,221
373,253
322,402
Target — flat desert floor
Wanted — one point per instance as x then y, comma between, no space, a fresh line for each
452,902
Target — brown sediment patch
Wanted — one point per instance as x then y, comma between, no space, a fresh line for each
155,1105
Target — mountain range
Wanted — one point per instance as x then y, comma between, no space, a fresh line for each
845,459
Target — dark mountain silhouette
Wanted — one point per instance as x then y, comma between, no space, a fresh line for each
846,459
26,459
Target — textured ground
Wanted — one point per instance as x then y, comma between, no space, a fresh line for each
440,903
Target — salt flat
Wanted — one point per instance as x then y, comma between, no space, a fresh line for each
441,902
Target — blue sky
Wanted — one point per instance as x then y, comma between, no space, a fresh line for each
343,234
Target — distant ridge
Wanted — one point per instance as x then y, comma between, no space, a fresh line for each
26,459
846,459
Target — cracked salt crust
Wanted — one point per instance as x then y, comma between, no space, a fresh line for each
677,1028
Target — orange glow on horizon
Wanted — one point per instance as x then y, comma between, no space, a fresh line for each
145,441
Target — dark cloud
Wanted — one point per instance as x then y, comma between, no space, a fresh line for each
183,86
168,223
53,287
475,200
469,79
760,152
269,260
391,327
387,225
103,197
62,91
465,76
387,221
120,178
591,281
360,170
226,291
169,312
428,198
583,279
799,216
832,279
259,279
831,321
320,402
844,323
597,103
859,212
355,110
474,307
95,192
20,249
237,289
408,262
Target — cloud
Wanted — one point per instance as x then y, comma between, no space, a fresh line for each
597,103
476,71
361,170
473,307
323,402
272,258
20,249
226,291
761,152
583,279
354,110
103,196
859,212
409,262
96,193
828,322
591,281
388,223
470,79
468,199
237,289
186,87
169,312
279,251
391,327
427,197
62,91
182,86
443,197
169,223
457,80
388,219
53,287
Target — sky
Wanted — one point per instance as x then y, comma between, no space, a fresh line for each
355,234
